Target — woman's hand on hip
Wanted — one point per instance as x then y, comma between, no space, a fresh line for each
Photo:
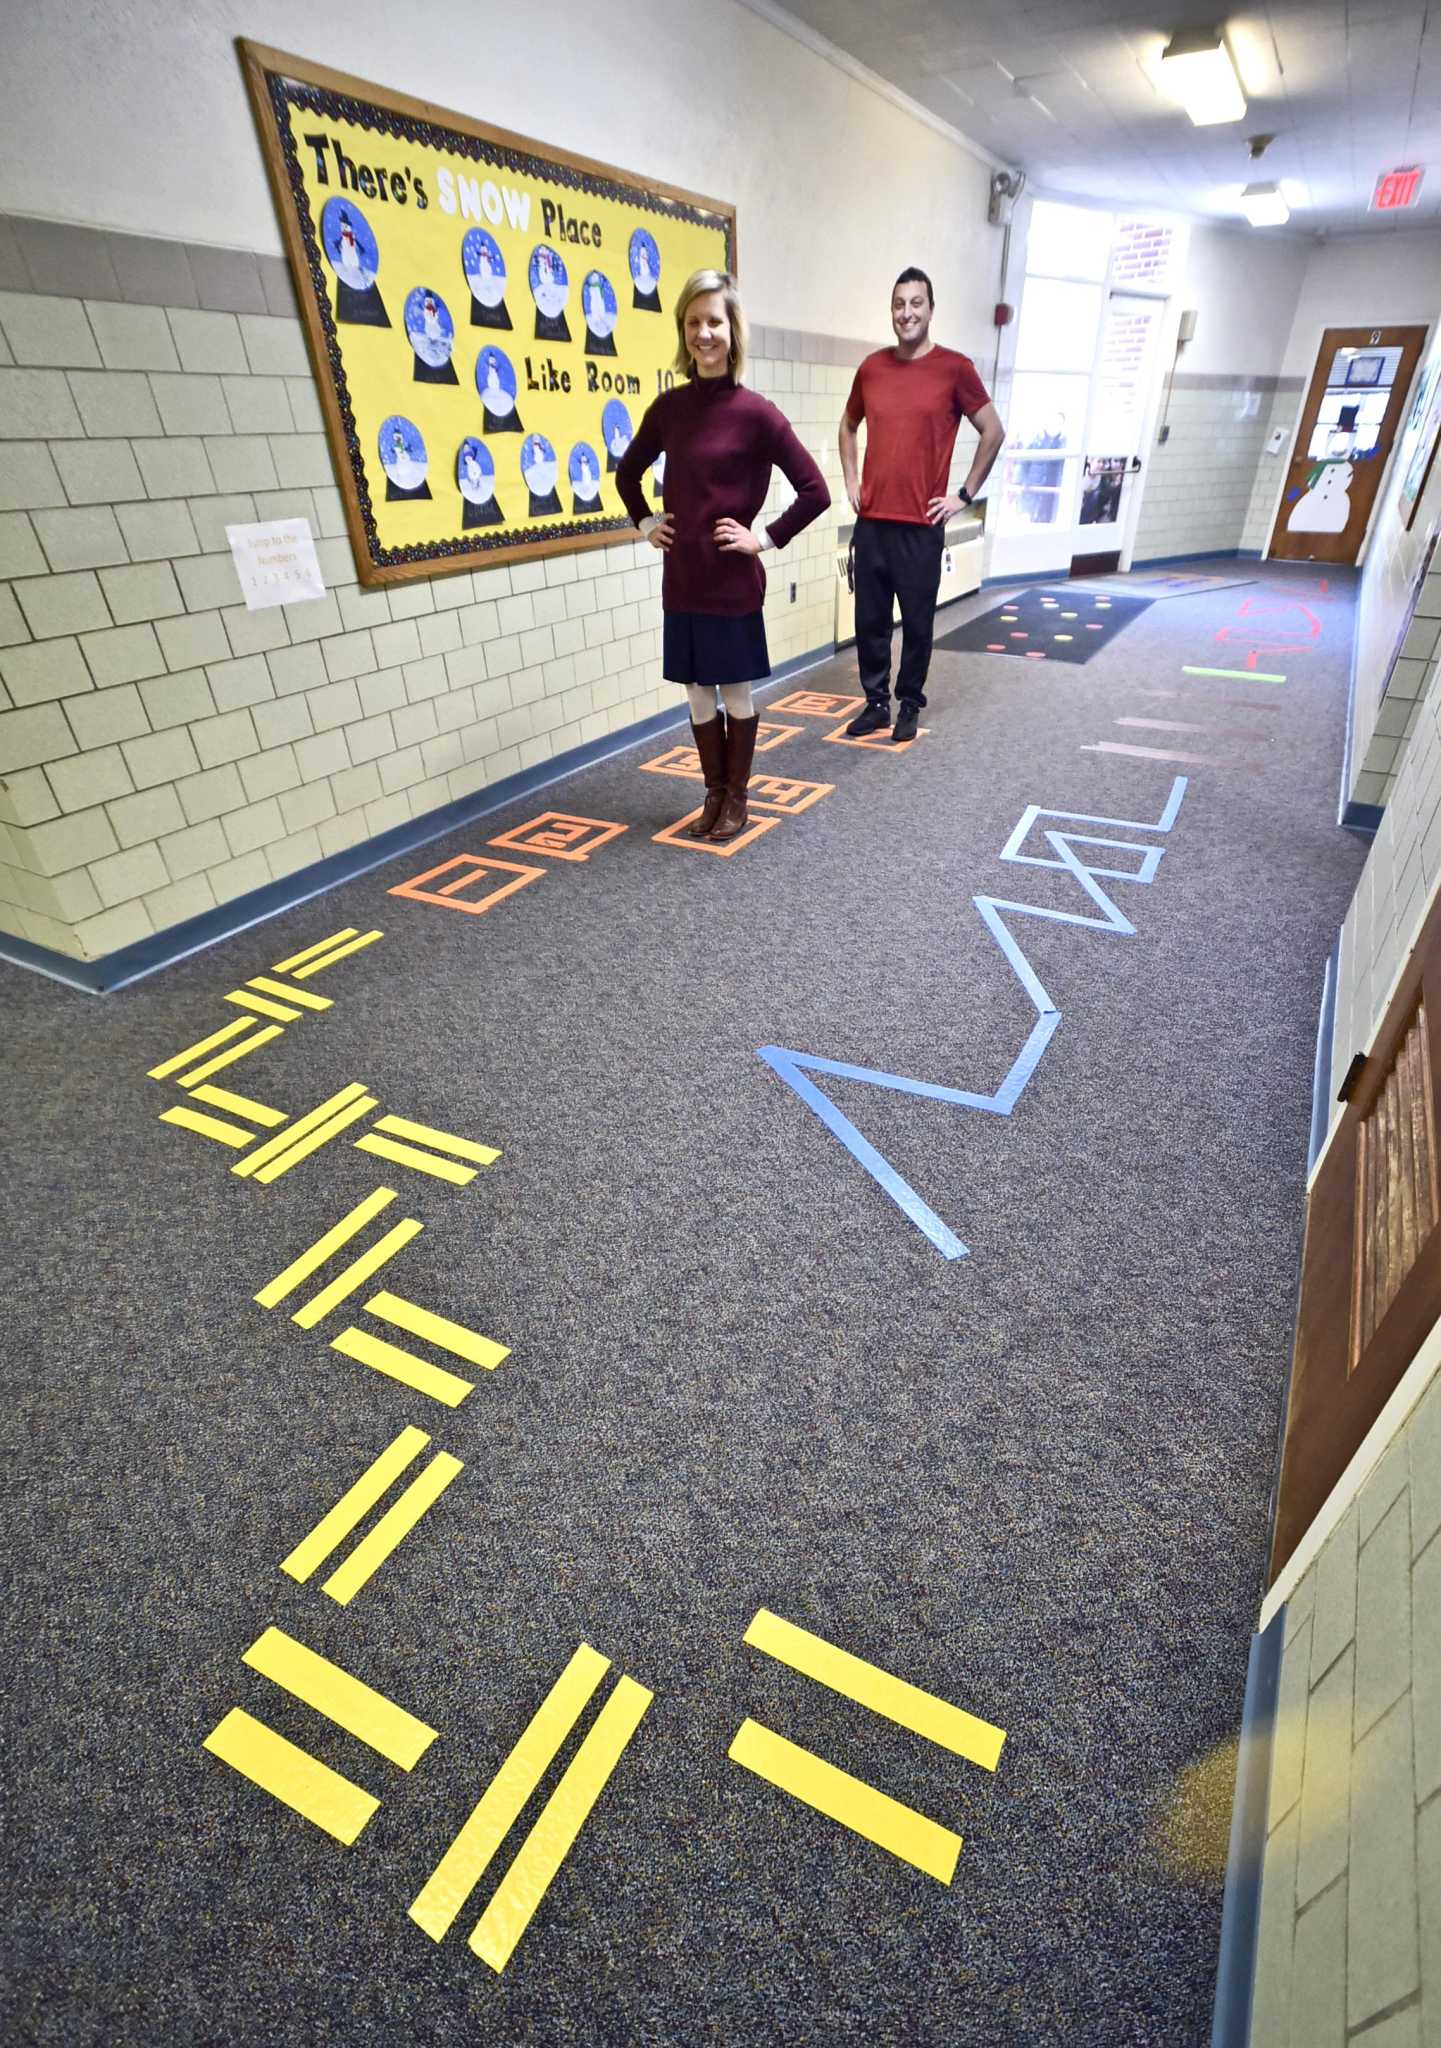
662,533
734,539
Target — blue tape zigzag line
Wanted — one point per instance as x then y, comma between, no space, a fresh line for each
793,1067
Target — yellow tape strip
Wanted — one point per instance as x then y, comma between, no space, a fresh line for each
442,1141
309,952
240,1105
191,1052
856,1805
465,1862
357,1708
561,1819
208,1126
324,1247
235,1052
266,1009
307,998
392,1528
423,1162
356,1273
921,1712
354,1504
329,960
282,1142
313,1140
404,1366
294,1777
466,1344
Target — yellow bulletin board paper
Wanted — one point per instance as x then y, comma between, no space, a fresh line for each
488,316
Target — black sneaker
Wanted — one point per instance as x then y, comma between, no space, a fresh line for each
906,724
875,718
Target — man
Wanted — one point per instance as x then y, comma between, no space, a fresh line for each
912,398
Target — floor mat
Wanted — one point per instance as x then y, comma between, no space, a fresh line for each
1176,583
1041,624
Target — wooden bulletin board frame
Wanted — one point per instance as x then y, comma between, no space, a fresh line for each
278,81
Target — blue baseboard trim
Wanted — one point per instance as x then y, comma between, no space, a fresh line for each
1363,817
163,949
1321,1070
1241,1908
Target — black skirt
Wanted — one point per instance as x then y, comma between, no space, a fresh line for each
702,649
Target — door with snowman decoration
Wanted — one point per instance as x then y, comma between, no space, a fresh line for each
1353,409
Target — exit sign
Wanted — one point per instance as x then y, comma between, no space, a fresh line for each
1397,188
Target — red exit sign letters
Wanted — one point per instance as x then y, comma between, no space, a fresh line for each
1397,188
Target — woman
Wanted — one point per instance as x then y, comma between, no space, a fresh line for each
719,442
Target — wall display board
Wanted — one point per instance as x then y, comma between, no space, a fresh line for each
488,316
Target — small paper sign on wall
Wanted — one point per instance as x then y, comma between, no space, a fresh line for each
276,563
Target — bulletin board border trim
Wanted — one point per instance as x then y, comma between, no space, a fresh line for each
276,79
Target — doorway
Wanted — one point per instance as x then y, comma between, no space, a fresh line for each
1352,411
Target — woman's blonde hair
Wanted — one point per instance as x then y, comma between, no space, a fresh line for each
696,286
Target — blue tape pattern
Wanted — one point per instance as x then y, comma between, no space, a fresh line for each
793,1067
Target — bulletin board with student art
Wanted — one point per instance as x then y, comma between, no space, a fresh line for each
488,317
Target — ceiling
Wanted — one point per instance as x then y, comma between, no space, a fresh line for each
1065,90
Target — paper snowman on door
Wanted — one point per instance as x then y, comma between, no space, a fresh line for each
1324,506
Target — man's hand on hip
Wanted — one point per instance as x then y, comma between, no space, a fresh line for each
941,509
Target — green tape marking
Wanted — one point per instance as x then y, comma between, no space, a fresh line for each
1241,675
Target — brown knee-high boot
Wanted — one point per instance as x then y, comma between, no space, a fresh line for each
710,744
740,752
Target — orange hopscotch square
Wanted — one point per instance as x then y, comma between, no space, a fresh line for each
817,704
769,737
676,761
675,835
472,869
784,794
881,743
561,834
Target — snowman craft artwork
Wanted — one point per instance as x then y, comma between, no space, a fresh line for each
475,474
645,272
538,467
584,470
403,458
549,285
601,312
431,333
1324,506
354,256
616,431
495,381
484,268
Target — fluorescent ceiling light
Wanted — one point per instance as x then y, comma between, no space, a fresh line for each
1197,72
1264,206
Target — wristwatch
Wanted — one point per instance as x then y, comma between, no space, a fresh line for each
964,495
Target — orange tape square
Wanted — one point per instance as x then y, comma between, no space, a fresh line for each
880,742
560,834
817,704
472,869
675,835
676,761
769,737
785,794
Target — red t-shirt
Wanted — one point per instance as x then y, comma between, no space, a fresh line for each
914,410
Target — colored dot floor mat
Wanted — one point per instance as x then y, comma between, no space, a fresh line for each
1041,624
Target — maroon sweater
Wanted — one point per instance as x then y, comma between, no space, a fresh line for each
720,442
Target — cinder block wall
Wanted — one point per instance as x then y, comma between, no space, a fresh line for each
1350,1929
1203,480
163,750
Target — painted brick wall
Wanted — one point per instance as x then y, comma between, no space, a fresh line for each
162,749
1201,481
1350,1923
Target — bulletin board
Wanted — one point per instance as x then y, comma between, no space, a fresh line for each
488,316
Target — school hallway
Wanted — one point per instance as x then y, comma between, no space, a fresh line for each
737,1379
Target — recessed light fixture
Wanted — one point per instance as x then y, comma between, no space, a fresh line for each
1197,72
1265,206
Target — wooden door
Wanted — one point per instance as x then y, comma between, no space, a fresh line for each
1352,411
1371,1271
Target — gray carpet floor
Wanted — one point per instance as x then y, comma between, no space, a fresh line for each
1033,1481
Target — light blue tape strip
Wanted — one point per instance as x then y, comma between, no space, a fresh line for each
792,1067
